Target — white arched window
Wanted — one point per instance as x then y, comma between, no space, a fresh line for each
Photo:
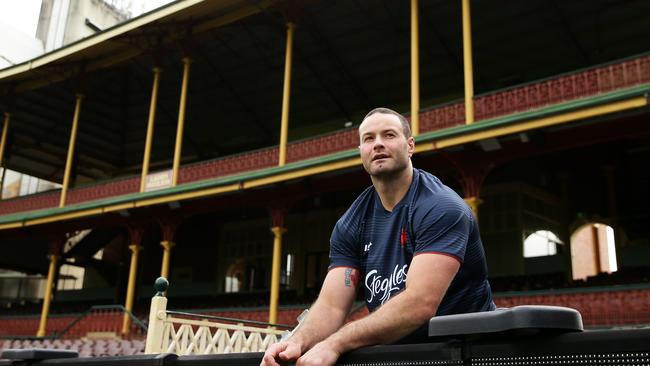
541,243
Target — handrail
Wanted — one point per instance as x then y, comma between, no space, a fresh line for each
234,320
135,319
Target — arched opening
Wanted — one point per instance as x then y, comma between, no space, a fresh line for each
593,251
541,243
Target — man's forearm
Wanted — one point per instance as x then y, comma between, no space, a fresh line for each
321,322
392,321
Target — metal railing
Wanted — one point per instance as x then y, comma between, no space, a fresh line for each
104,315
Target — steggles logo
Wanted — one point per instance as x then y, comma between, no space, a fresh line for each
385,286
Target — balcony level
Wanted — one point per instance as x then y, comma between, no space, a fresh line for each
589,93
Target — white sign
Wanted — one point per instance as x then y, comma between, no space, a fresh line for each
158,180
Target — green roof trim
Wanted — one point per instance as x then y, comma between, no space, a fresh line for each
640,90
183,188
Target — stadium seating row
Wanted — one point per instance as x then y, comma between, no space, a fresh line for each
85,347
629,307
598,308
94,322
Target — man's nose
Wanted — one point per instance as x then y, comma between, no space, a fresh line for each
379,143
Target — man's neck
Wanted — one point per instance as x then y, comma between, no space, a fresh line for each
392,189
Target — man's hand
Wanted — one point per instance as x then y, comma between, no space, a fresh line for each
283,351
325,317
322,354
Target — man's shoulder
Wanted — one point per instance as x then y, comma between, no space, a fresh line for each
434,197
432,190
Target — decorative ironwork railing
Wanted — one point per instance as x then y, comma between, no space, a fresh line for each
187,336
176,332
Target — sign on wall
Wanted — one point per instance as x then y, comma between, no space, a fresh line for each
158,180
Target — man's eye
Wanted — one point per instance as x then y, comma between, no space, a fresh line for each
367,139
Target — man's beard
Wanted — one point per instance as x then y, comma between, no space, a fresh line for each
388,174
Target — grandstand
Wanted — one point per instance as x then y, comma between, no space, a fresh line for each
214,143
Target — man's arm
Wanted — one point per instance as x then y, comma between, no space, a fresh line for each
325,316
429,277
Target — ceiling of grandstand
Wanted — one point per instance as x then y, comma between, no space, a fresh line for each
349,56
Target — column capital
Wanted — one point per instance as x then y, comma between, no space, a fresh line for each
471,171
473,200
56,245
134,248
278,230
168,228
53,257
167,244
278,214
135,234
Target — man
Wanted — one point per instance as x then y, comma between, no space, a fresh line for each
412,243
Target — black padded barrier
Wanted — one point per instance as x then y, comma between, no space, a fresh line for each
529,336
163,359
232,359
601,347
37,354
597,347
519,320
440,353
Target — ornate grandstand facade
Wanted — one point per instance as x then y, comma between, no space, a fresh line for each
214,143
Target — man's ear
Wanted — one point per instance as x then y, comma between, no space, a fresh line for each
411,143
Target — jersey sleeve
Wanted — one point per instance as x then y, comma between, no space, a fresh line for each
343,247
443,228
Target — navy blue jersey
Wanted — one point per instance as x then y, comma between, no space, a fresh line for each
431,218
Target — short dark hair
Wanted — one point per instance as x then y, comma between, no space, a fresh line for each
405,123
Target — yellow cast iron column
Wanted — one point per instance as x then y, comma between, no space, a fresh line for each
284,126
275,273
150,123
473,203
3,139
415,70
167,253
181,120
48,296
3,142
73,139
467,61
130,291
